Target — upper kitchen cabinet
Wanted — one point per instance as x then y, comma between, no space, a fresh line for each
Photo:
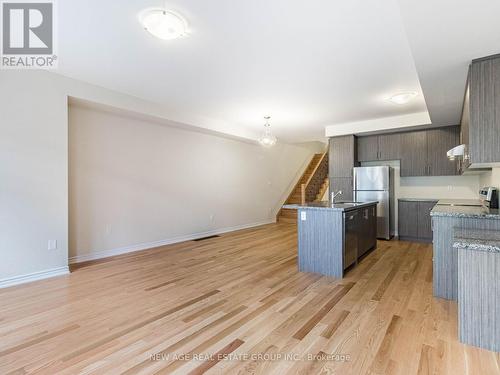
379,147
368,148
438,142
389,146
484,111
464,127
342,156
423,153
414,154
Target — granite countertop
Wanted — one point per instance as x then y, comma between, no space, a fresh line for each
466,211
325,205
460,202
476,239
418,199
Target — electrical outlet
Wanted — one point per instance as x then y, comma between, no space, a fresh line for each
450,187
212,217
52,245
108,230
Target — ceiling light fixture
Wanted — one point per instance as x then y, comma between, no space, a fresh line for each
267,139
164,24
403,97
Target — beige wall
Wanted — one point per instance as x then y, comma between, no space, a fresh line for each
136,183
33,174
491,178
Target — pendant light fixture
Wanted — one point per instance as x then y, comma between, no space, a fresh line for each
267,139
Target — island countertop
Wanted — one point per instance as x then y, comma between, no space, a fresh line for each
466,211
325,205
477,239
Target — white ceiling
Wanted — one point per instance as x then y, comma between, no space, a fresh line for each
308,64
444,37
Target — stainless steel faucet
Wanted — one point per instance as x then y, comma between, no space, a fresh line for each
333,195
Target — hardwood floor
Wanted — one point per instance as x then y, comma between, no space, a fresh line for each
240,298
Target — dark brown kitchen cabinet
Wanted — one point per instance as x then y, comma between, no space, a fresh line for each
484,101
407,219
342,159
423,153
379,147
367,229
368,148
389,146
342,156
414,154
464,130
344,184
424,226
439,141
414,220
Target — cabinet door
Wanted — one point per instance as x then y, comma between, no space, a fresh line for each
389,147
414,154
424,220
368,148
485,111
368,229
407,219
439,141
344,184
372,213
341,157
464,128
363,238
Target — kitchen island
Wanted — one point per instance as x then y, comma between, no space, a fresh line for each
332,237
446,219
478,287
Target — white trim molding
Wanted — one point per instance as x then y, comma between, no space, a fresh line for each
381,124
35,276
149,245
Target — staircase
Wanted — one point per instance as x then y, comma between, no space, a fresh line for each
311,187
323,189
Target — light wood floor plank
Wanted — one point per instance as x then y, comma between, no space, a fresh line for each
240,294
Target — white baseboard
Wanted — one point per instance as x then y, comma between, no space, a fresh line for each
148,245
16,280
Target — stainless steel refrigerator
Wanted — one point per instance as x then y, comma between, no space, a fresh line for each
377,184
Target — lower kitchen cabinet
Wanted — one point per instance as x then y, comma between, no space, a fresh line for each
424,226
367,229
414,219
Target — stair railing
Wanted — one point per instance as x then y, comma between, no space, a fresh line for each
311,187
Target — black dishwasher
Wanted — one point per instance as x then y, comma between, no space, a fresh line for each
350,237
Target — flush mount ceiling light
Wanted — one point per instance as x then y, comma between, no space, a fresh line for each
403,97
164,24
267,139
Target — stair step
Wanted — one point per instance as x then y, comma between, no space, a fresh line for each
287,220
288,213
290,216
